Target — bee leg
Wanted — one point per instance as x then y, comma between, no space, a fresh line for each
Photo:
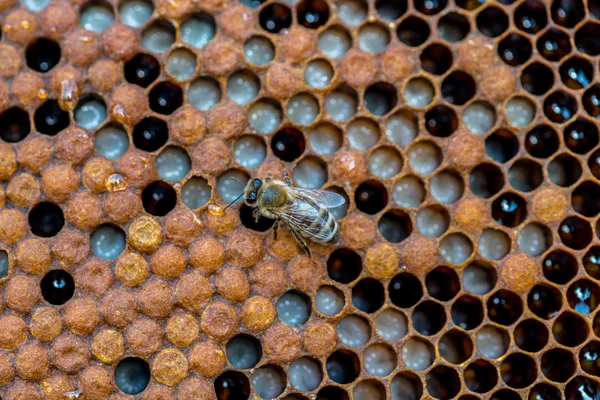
286,177
301,241
256,215
275,227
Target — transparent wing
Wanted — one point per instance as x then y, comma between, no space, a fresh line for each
305,218
323,198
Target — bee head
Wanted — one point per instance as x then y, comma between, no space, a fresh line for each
252,190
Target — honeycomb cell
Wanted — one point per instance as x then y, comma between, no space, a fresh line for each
344,265
232,385
373,37
442,382
135,13
479,117
583,296
385,162
570,329
467,312
581,387
537,78
561,267
544,301
455,346
165,98
132,375
504,307
413,31
531,16
441,121
564,170
380,98
492,341
456,248
332,393
50,119
343,366
312,14
492,21
424,157
158,37
275,17
531,335
57,287
583,40
406,385
544,391
159,198
458,88
335,41
518,370
43,54
591,101
575,233
567,13
453,27
371,197
581,136
480,376
479,278
269,381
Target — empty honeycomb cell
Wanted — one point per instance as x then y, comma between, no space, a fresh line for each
588,358
441,121
371,197
107,241
570,329
353,331
583,296
542,141
196,192
564,170
332,393
494,244
509,209
14,125
479,117
391,9
583,40
575,233
479,278
343,366
456,248
405,290
591,101
181,64
581,387
544,390
581,136
583,199
232,384
558,365
326,138
447,186
335,41
305,374
275,17
46,219
341,104
329,300
204,93
418,92
269,381
43,54
458,87
442,382
303,109
132,375
531,16
480,376
96,16
467,312
402,128
50,119
515,49
380,359
293,308
502,145
165,98
428,318
395,226
418,354
288,144
430,7
433,221
504,307
344,265
544,301
242,86
158,198
57,287
560,107
554,44
492,341
567,13
560,266
576,73
380,98
373,37
158,37
142,70
413,31
368,295
453,27
518,370
406,385
409,192
537,78
492,21
391,324
531,335
424,157
534,239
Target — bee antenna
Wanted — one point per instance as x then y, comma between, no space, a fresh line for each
236,199
238,182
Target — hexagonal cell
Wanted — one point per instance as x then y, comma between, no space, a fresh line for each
518,370
293,308
453,27
409,191
402,128
275,17
492,21
196,192
373,37
480,376
494,244
413,31
335,41
433,221
405,290
353,331
305,374
418,354
428,318
269,381
343,366
515,49
504,307
158,37
492,341
479,117
467,312
531,335
243,351
442,382
395,226
391,324
259,50
132,375
502,145
479,278
135,13
96,16
442,283
441,121
344,265
455,346
456,248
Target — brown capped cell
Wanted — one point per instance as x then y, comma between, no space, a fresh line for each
222,225
519,273
145,234
81,47
137,167
168,262
81,316
31,362
120,42
169,367
238,21
245,248
21,293
211,156
155,391
95,276
258,313
13,332
196,389
84,210
104,75
305,273
476,54
108,346
96,382
497,83
118,307
471,214
62,74
131,269
193,291
319,338
282,80
69,354
122,206
182,226
281,343
23,190
22,391
466,149
232,283
207,254
55,387
271,168
219,320
213,6
419,254
188,125
13,225
155,299
549,204
132,101
58,18
381,260
224,56
4,93
397,62
359,68
95,172
59,181
268,278
11,61
174,9
357,231
34,154
349,166
19,26
70,247
297,44
45,323
182,329
74,145
7,373
8,161
26,88
207,359
285,247
227,120
144,337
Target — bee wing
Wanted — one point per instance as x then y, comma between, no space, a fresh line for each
306,218
322,198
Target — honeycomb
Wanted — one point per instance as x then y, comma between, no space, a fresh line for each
463,135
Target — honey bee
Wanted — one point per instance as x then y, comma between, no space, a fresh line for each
304,210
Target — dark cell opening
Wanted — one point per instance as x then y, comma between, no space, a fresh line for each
567,12
504,307
453,27
458,88
405,290
344,265
368,295
430,7
589,358
537,78
380,98
492,21
582,388
585,199
441,121
288,144
243,351
594,8
343,366
564,170
509,209
570,329
232,385
159,198
501,145
542,141
428,318
275,17
544,301
413,31
312,14
262,225
436,59
591,101
560,267
14,125
455,346
506,394
469,5
594,164
485,180
371,197
530,16
575,233
132,375
467,312
591,263
57,287
142,70
586,38
165,98
395,226
391,9
150,134
560,107
518,370
531,335
554,44
576,73
50,119
480,376
583,296
46,219
544,391
581,136
442,283
42,54
514,49
525,175
332,393
253,3
442,382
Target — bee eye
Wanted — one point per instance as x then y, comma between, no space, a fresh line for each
252,196
257,183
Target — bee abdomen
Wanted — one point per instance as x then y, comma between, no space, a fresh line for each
329,231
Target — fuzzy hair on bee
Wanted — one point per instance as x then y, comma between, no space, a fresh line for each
304,210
